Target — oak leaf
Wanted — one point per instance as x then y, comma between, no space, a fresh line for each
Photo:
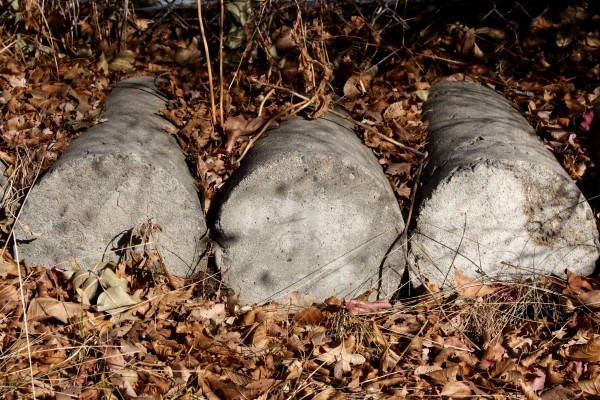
343,356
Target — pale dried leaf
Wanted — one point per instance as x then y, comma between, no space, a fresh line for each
211,311
299,299
470,288
8,266
456,390
114,297
343,357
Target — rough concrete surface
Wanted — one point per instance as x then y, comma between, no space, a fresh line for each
3,179
118,174
310,210
493,193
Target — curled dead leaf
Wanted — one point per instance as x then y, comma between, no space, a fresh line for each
362,307
238,126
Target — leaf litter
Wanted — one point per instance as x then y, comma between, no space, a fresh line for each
131,331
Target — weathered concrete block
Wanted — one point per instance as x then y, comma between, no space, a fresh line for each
310,210
492,193
118,174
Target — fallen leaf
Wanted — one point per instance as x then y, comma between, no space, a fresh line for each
589,352
398,169
470,288
238,126
456,389
343,357
44,308
362,307
560,392
8,266
591,386
299,299
309,316
577,283
114,297
209,311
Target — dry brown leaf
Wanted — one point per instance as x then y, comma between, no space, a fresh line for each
8,295
209,311
591,386
446,375
260,338
299,299
578,284
590,299
44,308
324,394
309,316
456,390
560,393
398,169
470,288
364,307
343,356
8,266
589,352
238,126
528,391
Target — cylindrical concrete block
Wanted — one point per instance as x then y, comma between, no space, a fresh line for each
118,174
310,210
493,193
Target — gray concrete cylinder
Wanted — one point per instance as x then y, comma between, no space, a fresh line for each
118,174
310,210
493,193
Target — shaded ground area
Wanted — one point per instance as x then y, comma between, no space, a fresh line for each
377,60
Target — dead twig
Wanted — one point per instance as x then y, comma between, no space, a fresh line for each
347,117
123,44
284,114
413,196
208,64
446,60
221,83
377,133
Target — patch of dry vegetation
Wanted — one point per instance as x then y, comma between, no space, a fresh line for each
532,339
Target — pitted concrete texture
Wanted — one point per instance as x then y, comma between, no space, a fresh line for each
309,210
118,174
493,193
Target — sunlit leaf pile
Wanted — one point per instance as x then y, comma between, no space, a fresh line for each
234,70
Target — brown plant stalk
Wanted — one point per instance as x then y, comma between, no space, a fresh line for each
208,65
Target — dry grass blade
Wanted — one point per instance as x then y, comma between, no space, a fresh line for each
208,64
